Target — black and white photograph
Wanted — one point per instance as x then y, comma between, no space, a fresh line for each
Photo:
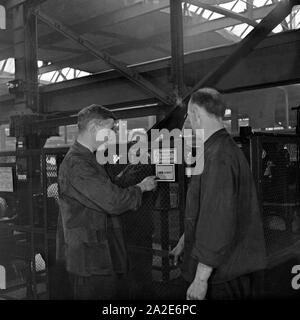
149,153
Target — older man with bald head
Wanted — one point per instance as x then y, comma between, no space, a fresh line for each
223,243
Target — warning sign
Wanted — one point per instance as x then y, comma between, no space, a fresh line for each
165,172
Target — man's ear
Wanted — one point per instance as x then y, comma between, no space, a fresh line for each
92,127
197,114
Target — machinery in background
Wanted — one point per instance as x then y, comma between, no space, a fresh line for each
274,162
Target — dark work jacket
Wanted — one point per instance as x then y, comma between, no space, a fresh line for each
138,225
223,225
90,237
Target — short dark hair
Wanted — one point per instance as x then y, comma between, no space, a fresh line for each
93,112
211,100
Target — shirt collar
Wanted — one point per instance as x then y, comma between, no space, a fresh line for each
211,140
81,148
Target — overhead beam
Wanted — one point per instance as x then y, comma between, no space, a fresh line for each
163,36
129,40
64,49
255,71
133,41
123,38
223,11
97,23
119,66
200,19
259,33
217,24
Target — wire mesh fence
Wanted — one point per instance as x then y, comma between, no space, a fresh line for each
280,195
150,232
22,222
274,161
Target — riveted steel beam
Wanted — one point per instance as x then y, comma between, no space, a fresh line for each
115,64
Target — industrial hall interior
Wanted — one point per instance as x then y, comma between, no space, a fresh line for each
149,149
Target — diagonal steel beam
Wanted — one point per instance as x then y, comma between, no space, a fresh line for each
96,23
223,11
223,33
162,37
115,64
259,33
221,23
82,57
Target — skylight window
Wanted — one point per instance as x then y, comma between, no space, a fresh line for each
193,8
278,29
62,75
246,31
259,3
10,66
216,16
228,5
239,29
240,7
206,14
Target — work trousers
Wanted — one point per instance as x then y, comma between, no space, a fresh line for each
100,287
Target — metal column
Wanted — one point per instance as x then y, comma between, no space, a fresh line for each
177,47
26,100
25,48
177,43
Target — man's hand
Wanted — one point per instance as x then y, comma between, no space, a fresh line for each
177,251
148,184
197,290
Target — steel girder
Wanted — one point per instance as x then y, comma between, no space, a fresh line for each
117,65
259,33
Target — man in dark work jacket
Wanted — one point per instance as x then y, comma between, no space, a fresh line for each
90,206
223,242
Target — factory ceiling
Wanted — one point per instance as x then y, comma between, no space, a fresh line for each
135,32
